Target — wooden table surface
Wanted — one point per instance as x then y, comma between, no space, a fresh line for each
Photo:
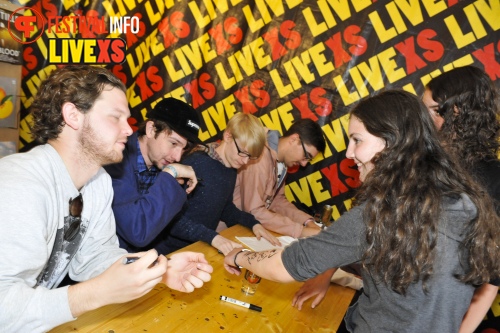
164,310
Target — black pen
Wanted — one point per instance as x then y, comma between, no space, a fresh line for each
240,303
129,260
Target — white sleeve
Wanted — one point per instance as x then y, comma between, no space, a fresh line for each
25,237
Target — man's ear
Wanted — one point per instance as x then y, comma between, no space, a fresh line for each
150,129
227,135
72,116
295,138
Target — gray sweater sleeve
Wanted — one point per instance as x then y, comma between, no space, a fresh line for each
337,246
25,238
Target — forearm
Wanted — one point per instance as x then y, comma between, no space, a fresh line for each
84,297
266,264
140,218
481,302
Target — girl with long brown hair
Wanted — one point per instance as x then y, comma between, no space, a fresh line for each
423,232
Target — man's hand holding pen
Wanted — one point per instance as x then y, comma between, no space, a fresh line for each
185,271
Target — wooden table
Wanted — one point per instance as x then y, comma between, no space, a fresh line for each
164,310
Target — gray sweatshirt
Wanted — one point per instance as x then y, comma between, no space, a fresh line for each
379,309
35,189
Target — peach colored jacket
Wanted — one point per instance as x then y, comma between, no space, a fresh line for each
256,193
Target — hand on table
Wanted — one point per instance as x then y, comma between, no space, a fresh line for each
118,284
317,286
183,172
187,271
260,231
224,245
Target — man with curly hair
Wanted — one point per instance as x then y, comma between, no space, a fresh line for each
56,216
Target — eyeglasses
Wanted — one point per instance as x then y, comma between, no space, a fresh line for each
307,155
242,153
75,211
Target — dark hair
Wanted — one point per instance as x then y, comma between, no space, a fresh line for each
403,196
78,84
161,126
309,132
467,101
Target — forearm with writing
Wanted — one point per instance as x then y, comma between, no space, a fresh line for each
266,264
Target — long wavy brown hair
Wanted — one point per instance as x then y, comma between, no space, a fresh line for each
404,193
467,101
78,84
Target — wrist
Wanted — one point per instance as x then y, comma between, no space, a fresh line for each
306,222
172,170
81,300
236,256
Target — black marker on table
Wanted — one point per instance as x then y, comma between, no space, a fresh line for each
240,303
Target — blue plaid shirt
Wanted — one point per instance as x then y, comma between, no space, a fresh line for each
145,177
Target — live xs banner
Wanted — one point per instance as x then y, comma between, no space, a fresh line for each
280,60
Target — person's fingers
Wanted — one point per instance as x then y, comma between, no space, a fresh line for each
202,276
191,185
300,301
232,270
275,241
188,287
317,300
205,267
194,280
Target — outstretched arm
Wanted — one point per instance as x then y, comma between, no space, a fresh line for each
266,264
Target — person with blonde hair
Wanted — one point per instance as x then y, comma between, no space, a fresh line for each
212,200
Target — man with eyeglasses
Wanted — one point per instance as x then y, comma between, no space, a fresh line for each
212,200
147,193
260,186
56,216
260,191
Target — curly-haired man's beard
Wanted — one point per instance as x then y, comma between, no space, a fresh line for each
95,148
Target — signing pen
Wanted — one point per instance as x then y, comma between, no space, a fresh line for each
129,260
240,303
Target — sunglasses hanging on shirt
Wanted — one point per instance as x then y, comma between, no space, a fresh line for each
75,211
